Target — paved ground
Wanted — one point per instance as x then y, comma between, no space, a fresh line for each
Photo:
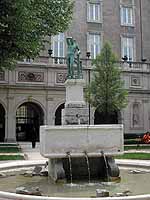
31,153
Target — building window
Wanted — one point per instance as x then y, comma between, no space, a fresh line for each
58,46
127,48
127,16
94,12
94,44
21,114
2,76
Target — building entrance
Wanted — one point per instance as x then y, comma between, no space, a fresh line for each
2,123
29,117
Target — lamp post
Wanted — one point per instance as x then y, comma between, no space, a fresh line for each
88,54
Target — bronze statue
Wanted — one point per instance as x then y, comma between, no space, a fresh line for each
73,57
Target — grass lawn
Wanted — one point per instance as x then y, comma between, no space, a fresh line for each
138,156
139,147
10,149
11,157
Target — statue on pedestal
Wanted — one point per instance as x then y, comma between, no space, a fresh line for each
73,57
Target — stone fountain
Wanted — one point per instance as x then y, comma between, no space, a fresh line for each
77,150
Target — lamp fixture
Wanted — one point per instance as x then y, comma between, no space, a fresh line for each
50,52
88,54
125,58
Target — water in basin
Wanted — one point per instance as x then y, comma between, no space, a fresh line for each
136,183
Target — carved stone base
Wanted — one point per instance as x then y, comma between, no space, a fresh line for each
59,169
74,92
75,115
56,170
113,169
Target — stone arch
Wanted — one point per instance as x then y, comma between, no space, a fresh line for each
29,114
2,122
4,106
58,114
32,101
100,118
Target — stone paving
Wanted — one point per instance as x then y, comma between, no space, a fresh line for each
31,153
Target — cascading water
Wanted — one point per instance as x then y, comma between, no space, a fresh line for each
106,166
70,166
88,166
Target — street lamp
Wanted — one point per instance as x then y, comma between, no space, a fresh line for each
88,54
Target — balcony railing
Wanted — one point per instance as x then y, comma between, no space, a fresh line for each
87,63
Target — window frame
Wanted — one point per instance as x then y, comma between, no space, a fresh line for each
89,43
57,38
125,22
130,5
123,37
95,2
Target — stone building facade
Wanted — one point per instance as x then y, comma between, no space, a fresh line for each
34,93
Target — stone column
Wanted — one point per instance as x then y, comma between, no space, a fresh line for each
10,135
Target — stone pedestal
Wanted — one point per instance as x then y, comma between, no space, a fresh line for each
75,111
85,149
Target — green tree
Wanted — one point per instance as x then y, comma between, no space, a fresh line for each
24,25
105,91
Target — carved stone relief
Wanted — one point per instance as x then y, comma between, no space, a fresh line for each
135,81
24,76
136,115
61,77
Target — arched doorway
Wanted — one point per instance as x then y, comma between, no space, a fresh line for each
58,114
28,115
100,118
2,123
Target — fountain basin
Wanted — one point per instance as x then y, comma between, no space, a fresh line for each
56,141
13,196
96,143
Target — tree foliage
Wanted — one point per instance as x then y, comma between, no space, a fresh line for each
24,24
105,91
